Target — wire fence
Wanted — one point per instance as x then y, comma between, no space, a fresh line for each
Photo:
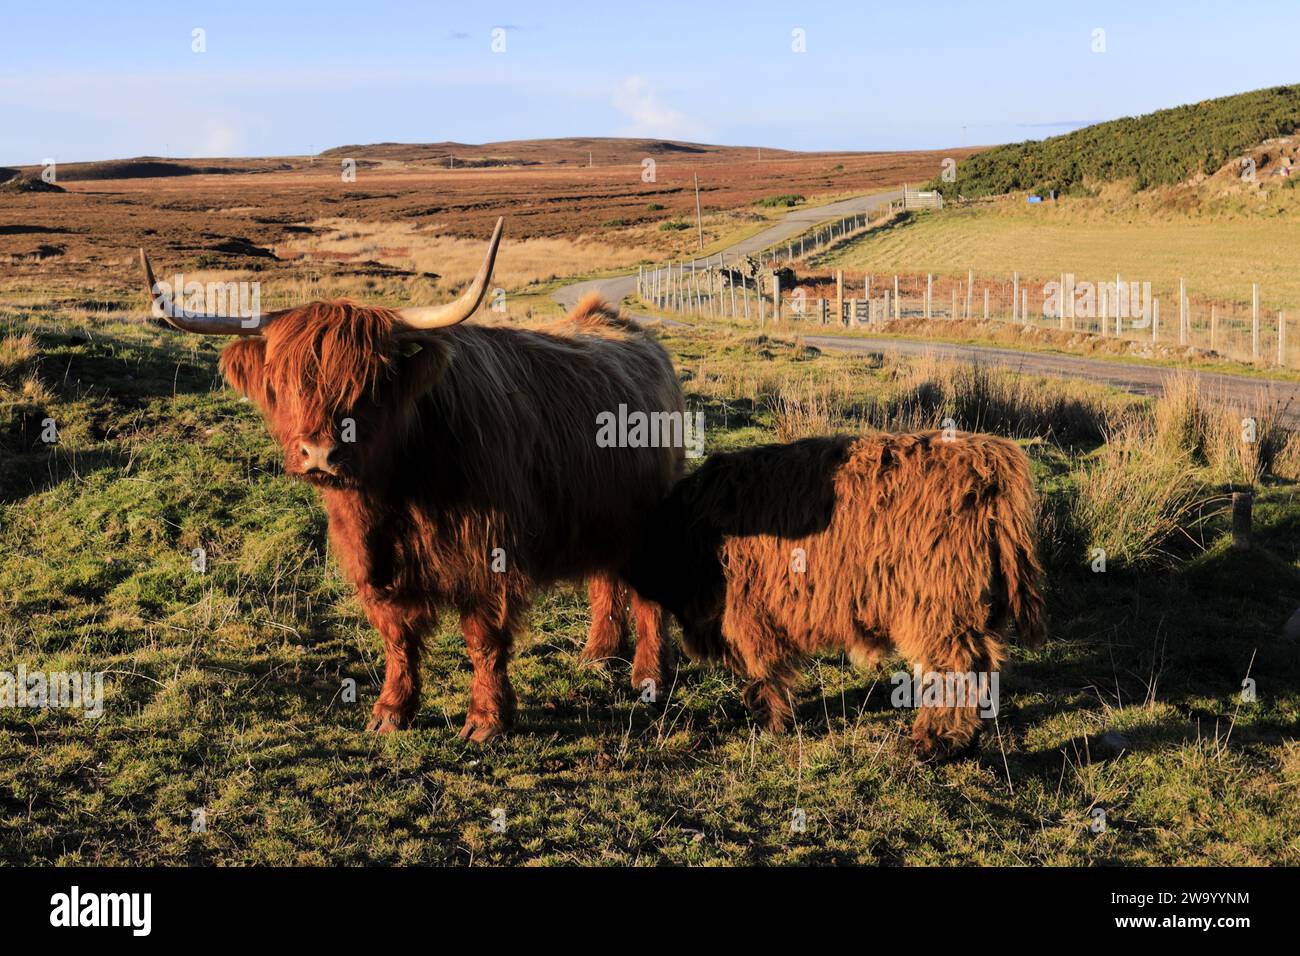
1111,307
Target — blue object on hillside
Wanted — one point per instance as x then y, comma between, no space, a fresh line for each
1035,199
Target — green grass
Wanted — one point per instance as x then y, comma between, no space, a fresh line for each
1218,261
1158,149
224,689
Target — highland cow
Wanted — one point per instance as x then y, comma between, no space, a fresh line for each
918,544
459,467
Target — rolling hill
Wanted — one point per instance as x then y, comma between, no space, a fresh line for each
1158,149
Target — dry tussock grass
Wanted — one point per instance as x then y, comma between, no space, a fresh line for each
1239,442
930,392
408,246
1135,496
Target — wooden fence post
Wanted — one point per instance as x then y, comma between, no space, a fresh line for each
1241,507
897,307
1254,321
1119,307
1062,309
776,297
1015,298
1182,312
839,296
929,292
1281,338
970,290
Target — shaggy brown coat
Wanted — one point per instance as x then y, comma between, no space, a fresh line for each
474,476
906,543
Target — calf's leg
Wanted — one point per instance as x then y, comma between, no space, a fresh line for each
953,727
653,653
759,650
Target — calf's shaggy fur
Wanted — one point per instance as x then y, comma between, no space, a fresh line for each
914,544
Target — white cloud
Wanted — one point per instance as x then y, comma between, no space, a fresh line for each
219,139
637,100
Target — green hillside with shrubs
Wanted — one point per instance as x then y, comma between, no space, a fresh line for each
1158,149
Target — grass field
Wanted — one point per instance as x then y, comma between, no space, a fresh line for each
224,690
1095,239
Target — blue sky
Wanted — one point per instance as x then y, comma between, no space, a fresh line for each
82,80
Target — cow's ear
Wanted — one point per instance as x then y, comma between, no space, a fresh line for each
243,363
421,361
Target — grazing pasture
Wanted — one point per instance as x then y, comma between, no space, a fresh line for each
227,691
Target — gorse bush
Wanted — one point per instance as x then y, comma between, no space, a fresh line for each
1158,149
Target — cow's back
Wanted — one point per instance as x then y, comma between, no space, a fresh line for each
905,524
521,409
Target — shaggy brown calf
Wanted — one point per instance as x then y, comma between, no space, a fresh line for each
460,468
906,543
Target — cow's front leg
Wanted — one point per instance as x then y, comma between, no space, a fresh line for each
402,628
491,698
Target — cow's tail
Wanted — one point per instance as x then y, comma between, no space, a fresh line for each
592,311
1014,537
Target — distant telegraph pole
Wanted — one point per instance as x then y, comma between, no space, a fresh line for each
699,220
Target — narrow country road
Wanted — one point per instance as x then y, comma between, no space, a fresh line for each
1139,379
619,288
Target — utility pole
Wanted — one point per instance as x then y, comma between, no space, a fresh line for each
699,220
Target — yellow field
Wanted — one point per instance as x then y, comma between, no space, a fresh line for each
1219,258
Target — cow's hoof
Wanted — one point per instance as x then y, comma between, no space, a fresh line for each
938,750
640,676
386,722
481,729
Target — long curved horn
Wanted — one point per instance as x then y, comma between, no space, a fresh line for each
204,323
440,316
